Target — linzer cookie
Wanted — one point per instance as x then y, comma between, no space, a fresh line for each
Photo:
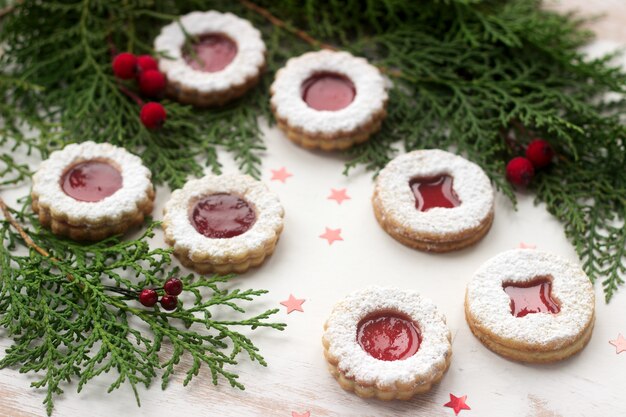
530,306
386,343
90,191
328,100
433,200
219,58
223,224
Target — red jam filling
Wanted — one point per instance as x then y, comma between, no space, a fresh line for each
531,297
221,216
434,192
91,181
328,91
211,53
388,336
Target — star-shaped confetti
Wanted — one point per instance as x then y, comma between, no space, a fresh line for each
331,235
293,304
619,343
305,414
457,404
523,245
280,174
338,195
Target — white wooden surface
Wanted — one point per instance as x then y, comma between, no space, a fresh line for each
589,384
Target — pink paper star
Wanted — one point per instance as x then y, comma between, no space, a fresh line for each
523,245
280,174
293,304
457,404
331,235
338,195
619,343
305,414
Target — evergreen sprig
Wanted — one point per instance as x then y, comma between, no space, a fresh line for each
72,312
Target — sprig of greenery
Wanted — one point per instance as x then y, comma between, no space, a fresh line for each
63,304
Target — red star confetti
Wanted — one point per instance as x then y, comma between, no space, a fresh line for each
338,195
457,404
280,174
293,304
331,235
523,245
305,414
619,343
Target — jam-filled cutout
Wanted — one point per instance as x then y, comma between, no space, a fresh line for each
388,336
211,52
328,91
431,192
91,181
222,215
531,297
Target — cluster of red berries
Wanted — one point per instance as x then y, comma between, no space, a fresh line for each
521,170
172,287
151,83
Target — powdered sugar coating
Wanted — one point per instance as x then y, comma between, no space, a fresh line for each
470,183
490,305
247,64
136,184
357,364
269,218
287,101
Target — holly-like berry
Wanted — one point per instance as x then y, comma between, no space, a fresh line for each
169,302
520,171
153,115
173,286
152,83
148,297
145,63
125,66
540,153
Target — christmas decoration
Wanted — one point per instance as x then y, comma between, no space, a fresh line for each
619,343
280,175
457,404
153,115
331,235
148,297
152,83
145,63
540,153
125,66
520,171
169,302
293,304
338,195
173,286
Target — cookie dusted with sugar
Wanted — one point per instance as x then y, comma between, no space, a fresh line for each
328,100
91,191
223,224
386,343
223,58
433,200
531,306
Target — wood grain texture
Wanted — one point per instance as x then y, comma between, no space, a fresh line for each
588,384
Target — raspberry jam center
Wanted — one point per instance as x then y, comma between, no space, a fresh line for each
434,192
91,181
388,336
222,215
328,91
211,53
531,297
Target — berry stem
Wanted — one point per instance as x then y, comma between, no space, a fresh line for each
130,94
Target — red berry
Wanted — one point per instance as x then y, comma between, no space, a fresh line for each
540,153
152,83
148,297
152,115
173,286
125,65
145,63
169,302
520,171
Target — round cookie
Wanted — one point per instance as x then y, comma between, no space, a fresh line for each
531,306
434,201
386,343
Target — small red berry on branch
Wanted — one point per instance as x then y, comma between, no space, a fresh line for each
173,286
148,297
169,302
145,63
125,66
152,83
153,115
520,171
540,153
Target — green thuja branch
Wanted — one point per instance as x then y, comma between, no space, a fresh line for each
72,312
